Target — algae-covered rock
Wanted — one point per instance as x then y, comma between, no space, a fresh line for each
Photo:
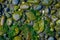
30,16
39,26
46,2
24,6
33,1
9,21
15,2
17,38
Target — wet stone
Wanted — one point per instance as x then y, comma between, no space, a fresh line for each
50,38
29,19
46,2
15,2
16,17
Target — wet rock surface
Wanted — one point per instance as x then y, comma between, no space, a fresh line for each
29,19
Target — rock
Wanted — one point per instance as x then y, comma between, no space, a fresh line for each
17,38
58,22
16,17
2,20
24,6
9,21
50,38
15,2
33,1
58,13
7,15
46,2
37,7
57,5
7,9
30,16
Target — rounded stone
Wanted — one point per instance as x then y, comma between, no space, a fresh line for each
57,5
46,2
58,13
58,22
30,16
33,1
9,21
24,6
37,7
16,17
15,2
50,38
17,38
2,20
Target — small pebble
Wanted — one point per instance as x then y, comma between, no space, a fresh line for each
9,21
15,2
50,38
16,17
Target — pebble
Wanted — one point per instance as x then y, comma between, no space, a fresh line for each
46,2
24,6
7,9
2,20
41,34
37,7
58,22
9,21
7,15
54,18
57,5
47,10
33,1
30,15
16,17
58,15
15,2
50,38
31,23
42,15
4,35
17,38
